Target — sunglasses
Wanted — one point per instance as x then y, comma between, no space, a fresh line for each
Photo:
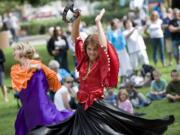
69,81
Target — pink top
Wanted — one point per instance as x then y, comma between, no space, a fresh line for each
126,106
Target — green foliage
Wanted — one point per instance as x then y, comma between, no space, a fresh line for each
33,27
8,5
34,2
107,17
37,2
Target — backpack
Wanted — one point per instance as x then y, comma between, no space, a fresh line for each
147,69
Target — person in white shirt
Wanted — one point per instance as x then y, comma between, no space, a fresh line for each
135,44
13,25
116,38
154,28
63,96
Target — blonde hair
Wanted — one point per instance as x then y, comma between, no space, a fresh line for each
123,91
36,56
26,50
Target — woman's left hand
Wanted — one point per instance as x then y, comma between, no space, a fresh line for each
100,15
35,66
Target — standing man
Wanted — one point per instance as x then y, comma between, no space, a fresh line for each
174,28
2,85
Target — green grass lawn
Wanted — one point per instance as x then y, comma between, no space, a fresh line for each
157,109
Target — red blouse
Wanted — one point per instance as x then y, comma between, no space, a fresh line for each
103,73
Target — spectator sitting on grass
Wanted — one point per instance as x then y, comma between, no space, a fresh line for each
123,101
137,99
173,88
60,72
158,87
110,97
65,97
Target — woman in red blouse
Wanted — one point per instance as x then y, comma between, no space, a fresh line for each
98,66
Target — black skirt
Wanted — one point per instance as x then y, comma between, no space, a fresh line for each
104,119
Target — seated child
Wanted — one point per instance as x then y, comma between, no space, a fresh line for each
123,101
158,87
173,88
110,97
137,99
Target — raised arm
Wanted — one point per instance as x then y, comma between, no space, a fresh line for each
130,33
75,26
102,36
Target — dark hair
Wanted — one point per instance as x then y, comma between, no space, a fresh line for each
174,71
130,84
55,32
112,23
125,21
91,39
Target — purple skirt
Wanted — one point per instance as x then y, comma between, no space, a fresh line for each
37,109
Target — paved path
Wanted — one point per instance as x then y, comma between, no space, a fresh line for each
35,40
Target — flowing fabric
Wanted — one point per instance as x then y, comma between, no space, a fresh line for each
20,76
37,109
104,119
93,116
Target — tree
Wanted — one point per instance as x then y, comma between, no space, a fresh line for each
36,2
5,6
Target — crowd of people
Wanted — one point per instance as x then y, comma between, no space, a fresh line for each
78,96
127,37
76,107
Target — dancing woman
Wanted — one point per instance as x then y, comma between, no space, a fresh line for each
32,79
98,66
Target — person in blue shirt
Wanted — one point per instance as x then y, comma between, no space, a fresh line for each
116,38
158,87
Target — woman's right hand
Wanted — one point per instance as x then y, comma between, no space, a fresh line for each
77,13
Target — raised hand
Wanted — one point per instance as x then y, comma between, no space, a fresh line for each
77,13
100,15
101,34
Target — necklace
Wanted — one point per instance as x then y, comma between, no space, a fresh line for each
88,71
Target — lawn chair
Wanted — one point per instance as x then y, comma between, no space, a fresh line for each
16,96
